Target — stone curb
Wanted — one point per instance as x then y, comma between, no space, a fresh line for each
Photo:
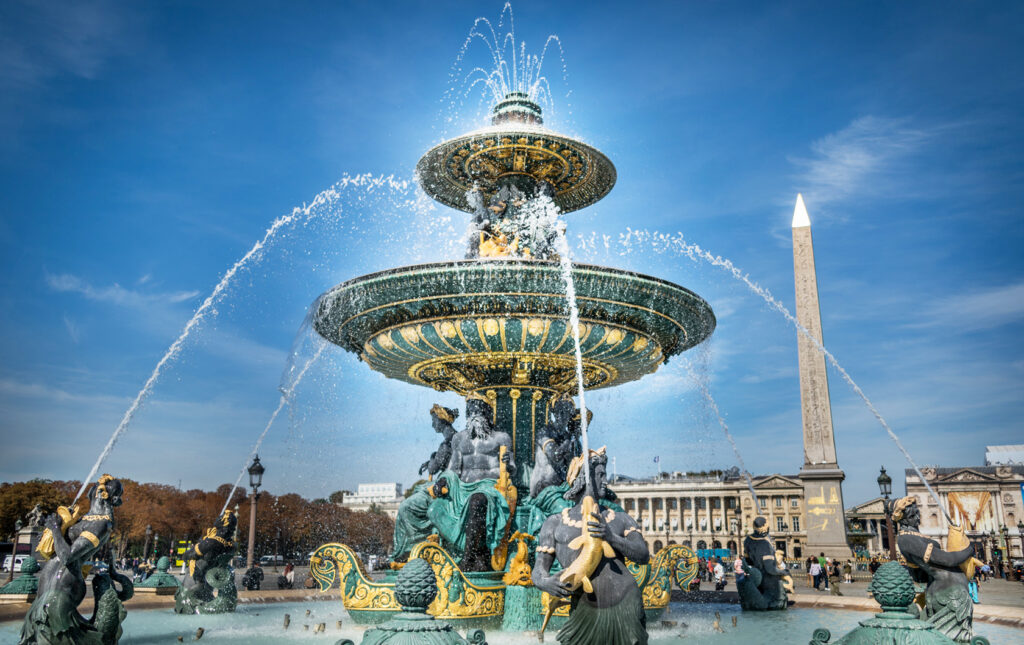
995,614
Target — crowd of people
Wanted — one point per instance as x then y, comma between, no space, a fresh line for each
821,571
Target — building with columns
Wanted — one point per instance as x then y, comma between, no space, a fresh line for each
715,511
986,500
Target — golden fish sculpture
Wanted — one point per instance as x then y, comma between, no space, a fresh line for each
592,549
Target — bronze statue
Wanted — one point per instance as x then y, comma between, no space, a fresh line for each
476,449
554,448
441,419
591,544
948,604
79,537
466,506
209,564
765,582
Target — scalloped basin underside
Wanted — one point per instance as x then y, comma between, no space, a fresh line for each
467,324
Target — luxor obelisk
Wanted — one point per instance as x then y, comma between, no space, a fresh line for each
821,476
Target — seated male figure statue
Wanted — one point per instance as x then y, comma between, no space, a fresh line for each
462,505
591,544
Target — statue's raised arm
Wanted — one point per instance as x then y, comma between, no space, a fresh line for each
948,603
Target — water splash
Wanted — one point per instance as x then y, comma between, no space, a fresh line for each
330,196
699,377
286,397
510,68
542,212
662,242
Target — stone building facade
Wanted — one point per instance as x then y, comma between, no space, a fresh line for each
984,498
708,512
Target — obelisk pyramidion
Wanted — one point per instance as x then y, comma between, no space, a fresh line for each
821,475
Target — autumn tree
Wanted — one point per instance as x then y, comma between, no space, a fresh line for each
19,498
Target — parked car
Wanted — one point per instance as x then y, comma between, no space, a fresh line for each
18,559
272,561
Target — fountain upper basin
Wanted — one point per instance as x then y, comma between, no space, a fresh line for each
463,325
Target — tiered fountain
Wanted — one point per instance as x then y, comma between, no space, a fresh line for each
494,327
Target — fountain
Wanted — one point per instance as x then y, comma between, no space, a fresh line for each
497,328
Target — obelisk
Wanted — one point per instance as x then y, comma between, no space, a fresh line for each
821,475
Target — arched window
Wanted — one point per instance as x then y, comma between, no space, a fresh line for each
687,544
657,546
701,544
731,545
716,545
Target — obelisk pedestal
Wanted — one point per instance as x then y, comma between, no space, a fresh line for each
821,476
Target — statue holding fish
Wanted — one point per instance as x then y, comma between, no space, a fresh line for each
591,544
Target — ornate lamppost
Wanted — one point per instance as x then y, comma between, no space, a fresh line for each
149,534
885,488
1006,551
14,548
255,481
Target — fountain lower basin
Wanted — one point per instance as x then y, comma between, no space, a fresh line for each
261,624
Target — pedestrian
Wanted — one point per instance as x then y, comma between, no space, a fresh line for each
737,570
873,566
810,578
719,576
848,572
289,574
711,569
815,572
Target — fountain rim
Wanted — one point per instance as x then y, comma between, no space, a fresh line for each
553,264
452,194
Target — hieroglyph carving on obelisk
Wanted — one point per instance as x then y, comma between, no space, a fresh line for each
821,475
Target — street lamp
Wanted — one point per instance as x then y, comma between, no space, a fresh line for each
149,534
14,548
885,488
255,481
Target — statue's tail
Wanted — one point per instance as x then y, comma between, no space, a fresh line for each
327,559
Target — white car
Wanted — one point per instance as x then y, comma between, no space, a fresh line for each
18,559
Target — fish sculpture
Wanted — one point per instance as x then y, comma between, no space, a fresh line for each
592,549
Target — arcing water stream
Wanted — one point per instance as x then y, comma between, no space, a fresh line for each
286,396
329,196
700,379
662,242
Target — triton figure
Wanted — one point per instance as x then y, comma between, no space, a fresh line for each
948,604
70,540
606,604
209,564
764,585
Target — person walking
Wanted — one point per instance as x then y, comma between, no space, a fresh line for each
823,565
810,578
848,572
815,572
719,576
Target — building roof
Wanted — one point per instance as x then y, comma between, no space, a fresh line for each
985,470
1004,454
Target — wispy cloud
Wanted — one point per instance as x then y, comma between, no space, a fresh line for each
857,159
984,308
115,293
72,328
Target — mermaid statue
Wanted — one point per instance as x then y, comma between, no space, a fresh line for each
947,604
71,539
209,564
765,584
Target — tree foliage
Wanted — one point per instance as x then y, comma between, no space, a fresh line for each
288,524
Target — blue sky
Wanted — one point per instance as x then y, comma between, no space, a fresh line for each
146,147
